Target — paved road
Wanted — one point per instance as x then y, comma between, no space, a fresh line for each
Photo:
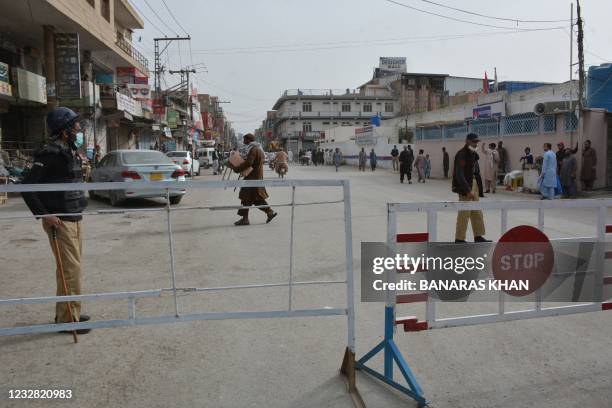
551,362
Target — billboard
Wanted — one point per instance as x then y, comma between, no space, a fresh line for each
395,64
488,111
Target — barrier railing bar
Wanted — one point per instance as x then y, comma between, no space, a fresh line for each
498,205
291,248
132,308
54,327
137,210
93,296
538,293
514,315
171,248
501,306
255,286
432,231
162,185
350,285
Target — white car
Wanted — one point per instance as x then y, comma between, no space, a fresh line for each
183,158
137,166
205,156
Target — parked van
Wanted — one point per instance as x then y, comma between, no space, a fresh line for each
204,155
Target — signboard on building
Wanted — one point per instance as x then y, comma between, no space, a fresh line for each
5,86
30,86
172,118
365,136
492,110
395,64
139,92
129,105
67,66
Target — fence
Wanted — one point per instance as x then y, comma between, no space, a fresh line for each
412,323
131,297
519,124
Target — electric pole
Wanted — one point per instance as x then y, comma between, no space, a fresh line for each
185,73
580,58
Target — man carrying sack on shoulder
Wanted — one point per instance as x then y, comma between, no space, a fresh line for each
251,168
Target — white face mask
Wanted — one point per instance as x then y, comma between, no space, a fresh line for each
473,148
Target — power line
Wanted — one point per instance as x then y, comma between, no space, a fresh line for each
159,18
147,18
174,18
354,44
517,20
461,20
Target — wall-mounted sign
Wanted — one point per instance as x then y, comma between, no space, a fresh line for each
30,86
365,136
67,66
129,105
139,92
5,86
492,110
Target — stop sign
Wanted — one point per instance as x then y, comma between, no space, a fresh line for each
523,253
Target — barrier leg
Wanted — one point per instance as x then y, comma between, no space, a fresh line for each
348,369
392,354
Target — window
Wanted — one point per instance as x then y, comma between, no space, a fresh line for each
105,9
145,158
346,106
346,124
307,127
388,106
325,123
367,107
306,107
334,123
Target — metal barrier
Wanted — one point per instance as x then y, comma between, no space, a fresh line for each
348,366
412,323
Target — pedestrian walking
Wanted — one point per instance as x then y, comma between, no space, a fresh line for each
548,177
588,169
445,162
254,160
419,165
465,185
491,166
58,162
290,156
337,158
568,174
427,167
406,158
215,160
395,158
362,159
373,160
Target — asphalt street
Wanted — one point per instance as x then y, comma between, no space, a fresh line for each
547,362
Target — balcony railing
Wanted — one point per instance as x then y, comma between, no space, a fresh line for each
127,47
332,114
320,92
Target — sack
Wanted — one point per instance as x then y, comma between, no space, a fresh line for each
236,160
558,188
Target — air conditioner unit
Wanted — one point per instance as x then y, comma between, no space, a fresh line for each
550,107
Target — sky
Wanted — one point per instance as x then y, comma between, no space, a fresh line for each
248,52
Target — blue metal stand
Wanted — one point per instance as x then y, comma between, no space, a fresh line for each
392,353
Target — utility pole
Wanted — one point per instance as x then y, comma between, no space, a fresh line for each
185,73
580,57
571,66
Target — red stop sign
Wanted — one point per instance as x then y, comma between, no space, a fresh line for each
523,253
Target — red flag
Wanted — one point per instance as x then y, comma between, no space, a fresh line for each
485,84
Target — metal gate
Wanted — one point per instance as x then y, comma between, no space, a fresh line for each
388,347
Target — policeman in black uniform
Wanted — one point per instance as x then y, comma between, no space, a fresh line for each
59,162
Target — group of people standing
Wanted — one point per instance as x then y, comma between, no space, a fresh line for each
560,170
405,161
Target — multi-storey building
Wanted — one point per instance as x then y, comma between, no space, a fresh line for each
77,54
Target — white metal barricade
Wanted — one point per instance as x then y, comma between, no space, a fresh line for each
131,297
389,349
411,323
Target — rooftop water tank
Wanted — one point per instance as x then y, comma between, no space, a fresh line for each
599,87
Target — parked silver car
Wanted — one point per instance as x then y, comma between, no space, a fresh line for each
137,166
